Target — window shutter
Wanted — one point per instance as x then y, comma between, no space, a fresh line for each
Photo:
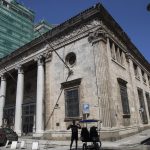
124,97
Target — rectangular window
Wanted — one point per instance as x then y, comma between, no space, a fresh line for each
28,117
136,70
148,101
143,76
72,102
117,53
124,98
112,48
72,98
121,57
142,109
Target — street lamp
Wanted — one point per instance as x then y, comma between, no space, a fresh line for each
148,7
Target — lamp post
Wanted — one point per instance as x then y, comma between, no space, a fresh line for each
148,7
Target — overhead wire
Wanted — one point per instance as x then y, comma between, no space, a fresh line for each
10,74
70,72
56,103
53,50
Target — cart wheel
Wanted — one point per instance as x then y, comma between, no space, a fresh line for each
5,140
84,147
97,146
100,144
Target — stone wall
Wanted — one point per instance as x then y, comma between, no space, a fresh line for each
99,87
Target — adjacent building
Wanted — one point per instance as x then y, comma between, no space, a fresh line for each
16,26
99,67
41,28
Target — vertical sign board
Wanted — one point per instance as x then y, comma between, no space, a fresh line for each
86,108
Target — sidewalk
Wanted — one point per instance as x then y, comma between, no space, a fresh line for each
125,143
131,140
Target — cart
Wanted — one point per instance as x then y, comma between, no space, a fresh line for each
90,135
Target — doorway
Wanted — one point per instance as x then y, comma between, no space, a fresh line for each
28,118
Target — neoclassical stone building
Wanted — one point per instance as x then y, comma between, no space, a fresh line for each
88,59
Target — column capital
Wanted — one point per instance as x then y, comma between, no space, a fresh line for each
128,56
47,55
20,69
98,35
40,60
3,78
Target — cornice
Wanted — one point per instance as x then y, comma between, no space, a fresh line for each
139,65
93,13
44,49
98,35
44,52
114,38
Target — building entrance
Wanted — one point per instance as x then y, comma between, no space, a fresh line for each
28,118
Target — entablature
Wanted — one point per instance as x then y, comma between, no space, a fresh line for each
47,47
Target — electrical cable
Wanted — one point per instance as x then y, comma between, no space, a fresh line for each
54,109
69,70
10,74
56,103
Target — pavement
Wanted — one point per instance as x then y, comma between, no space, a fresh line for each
128,143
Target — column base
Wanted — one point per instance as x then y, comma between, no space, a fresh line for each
19,133
38,134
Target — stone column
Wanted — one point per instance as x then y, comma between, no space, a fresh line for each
132,92
99,42
2,98
40,98
112,104
19,101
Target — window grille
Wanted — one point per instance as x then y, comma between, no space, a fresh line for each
71,91
72,102
28,115
9,116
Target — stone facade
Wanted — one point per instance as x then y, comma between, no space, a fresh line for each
88,56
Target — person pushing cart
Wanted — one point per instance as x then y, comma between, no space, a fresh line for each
74,137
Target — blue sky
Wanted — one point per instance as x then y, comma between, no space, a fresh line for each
131,15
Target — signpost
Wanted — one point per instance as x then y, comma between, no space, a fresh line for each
86,108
